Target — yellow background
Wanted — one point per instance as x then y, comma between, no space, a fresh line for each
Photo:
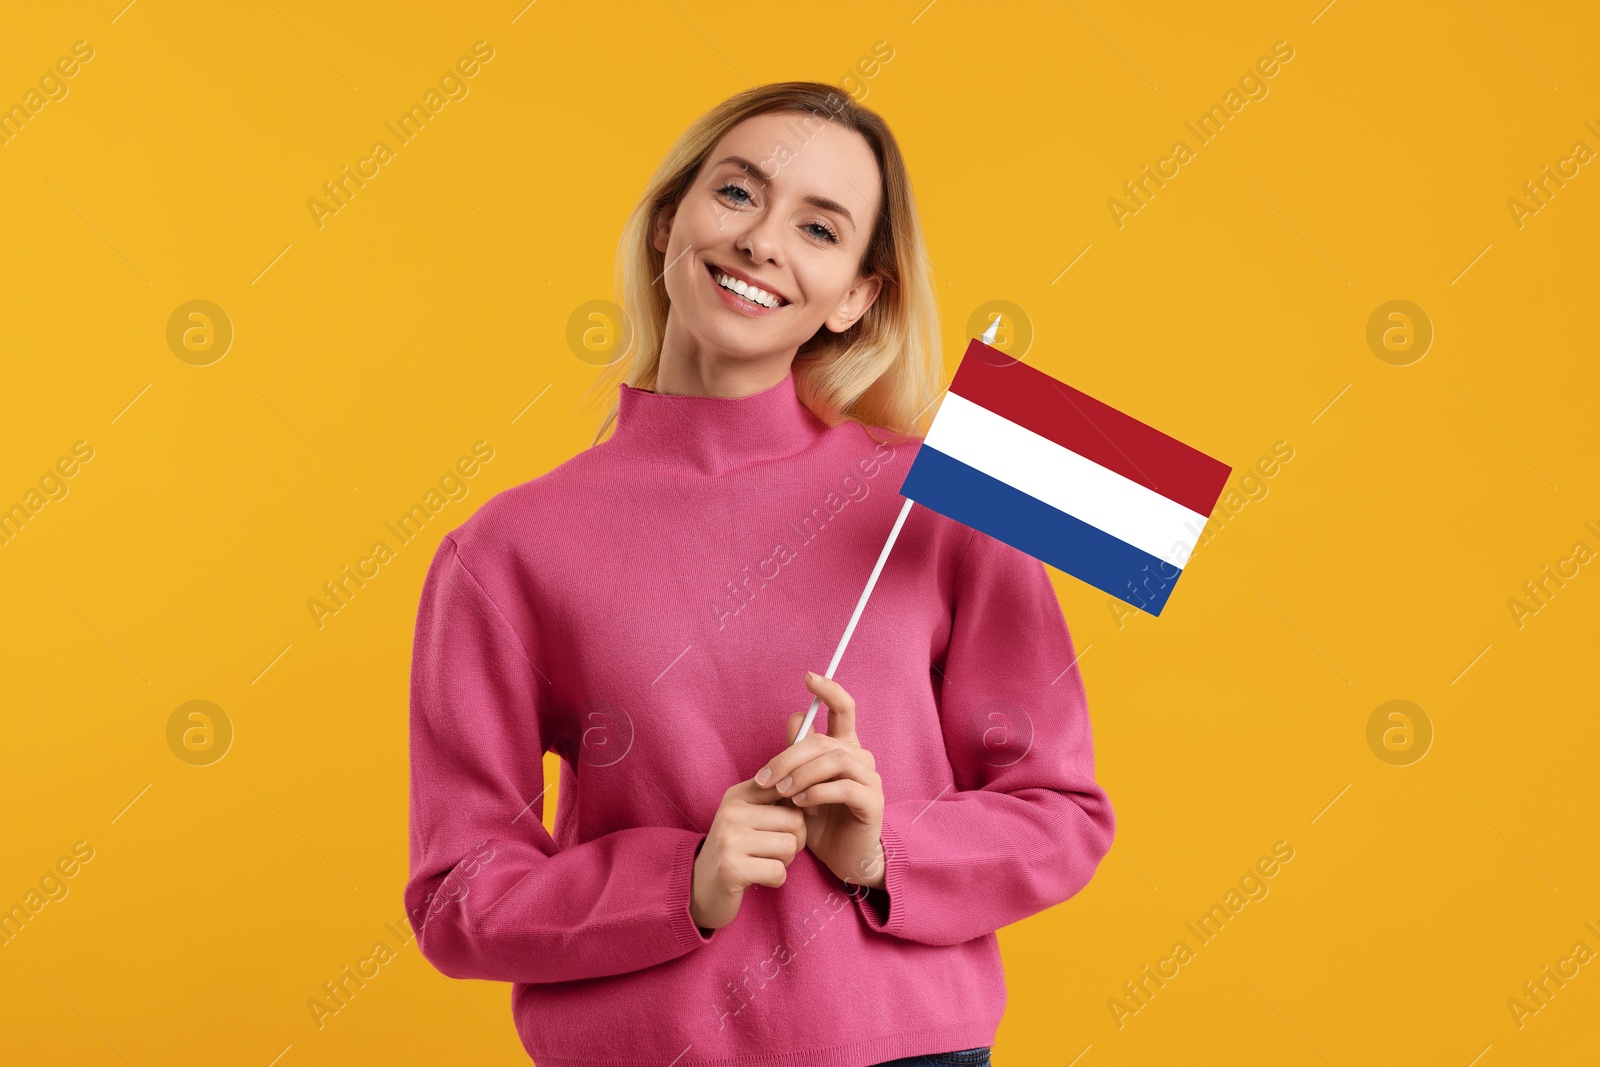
1231,311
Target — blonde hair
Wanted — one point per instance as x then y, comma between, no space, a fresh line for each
885,370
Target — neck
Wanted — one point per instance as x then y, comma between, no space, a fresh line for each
688,368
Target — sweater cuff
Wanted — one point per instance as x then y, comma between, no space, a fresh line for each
688,935
885,909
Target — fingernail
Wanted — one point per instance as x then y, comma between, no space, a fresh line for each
800,796
783,786
764,776
810,675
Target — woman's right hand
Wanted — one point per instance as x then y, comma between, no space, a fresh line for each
752,841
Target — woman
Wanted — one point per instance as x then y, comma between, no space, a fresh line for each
647,608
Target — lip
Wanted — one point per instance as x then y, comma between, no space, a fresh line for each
713,268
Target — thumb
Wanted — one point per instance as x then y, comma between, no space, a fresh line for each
794,724
840,704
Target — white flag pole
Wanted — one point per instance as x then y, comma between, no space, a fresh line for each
838,653
861,604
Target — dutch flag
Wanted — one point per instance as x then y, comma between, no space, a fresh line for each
1074,482
1031,461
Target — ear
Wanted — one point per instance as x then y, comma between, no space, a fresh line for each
857,300
661,228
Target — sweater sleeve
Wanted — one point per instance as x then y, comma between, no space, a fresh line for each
1025,824
489,895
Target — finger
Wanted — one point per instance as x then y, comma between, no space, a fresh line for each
783,764
782,817
826,765
754,793
833,764
841,706
772,845
785,818
757,796
794,725
765,872
863,802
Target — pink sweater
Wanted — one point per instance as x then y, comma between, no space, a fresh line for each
647,610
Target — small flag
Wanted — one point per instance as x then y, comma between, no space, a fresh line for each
1033,462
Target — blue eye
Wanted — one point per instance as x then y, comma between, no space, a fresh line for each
827,233
831,236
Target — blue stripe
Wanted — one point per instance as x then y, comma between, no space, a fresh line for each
1024,522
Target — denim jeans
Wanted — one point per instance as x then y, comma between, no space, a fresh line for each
972,1057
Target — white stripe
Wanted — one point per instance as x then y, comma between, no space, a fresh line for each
1063,479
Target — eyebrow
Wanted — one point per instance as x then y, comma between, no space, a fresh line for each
817,201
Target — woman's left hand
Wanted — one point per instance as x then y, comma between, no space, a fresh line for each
835,784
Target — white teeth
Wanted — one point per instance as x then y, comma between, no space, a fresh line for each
749,292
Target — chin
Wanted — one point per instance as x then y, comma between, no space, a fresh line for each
747,338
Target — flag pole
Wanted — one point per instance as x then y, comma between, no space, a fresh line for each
855,617
861,604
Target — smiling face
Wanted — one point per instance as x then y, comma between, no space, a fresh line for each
786,202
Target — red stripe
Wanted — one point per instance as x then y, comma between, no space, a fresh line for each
1054,410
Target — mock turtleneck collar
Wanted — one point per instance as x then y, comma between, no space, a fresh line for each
713,434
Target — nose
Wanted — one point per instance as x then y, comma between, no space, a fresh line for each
760,239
